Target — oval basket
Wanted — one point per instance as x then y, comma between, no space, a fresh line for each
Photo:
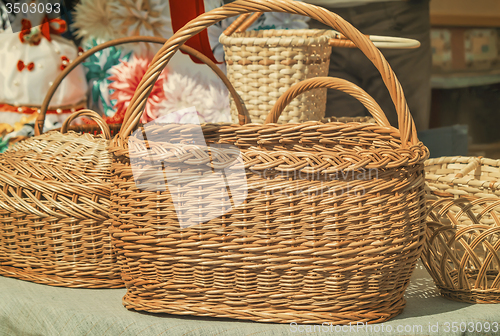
462,250
55,197
293,228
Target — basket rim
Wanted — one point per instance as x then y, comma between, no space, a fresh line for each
461,159
279,37
461,181
379,157
80,179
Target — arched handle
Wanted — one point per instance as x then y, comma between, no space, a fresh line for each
382,42
134,111
476,162
92,115
240,106
330,83
340,41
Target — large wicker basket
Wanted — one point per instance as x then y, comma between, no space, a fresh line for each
462,250
303,233
54,198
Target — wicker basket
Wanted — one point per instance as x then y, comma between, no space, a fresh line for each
297,247
54,209
263,64
462,250
54,198
463,176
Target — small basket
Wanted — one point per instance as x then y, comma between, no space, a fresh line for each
460,176
55,197
263,64
462,249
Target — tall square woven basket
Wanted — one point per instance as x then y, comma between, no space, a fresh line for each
270,222
263,64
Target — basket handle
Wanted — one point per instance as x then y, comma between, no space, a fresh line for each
240,106
340,41
330,83
92,115
476,162
134,111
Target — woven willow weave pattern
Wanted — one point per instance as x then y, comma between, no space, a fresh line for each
462,250
463,176
54,201
316,237
305,246
263,64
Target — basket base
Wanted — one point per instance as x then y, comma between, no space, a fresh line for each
188,307
472,296
70,282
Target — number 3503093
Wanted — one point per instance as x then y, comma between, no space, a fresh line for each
33,8
471,327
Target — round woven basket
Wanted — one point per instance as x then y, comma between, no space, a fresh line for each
270,222
263,64
463,176
55,197
462,249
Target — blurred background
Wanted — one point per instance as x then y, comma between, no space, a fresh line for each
465,42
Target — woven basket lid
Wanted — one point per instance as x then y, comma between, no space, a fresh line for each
53,156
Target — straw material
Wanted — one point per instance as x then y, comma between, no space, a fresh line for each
462,250
263,64
311,238
463,176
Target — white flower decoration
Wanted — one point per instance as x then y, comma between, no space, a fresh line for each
93,20
217,107
141,18
210,99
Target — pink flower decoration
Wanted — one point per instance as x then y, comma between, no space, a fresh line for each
125,78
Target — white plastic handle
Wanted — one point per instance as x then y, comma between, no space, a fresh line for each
389,42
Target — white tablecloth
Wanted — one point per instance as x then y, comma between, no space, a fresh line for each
32,309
